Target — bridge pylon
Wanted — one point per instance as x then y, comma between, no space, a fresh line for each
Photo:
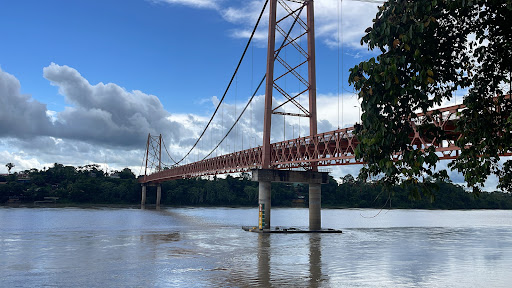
275,82
292,10
153,164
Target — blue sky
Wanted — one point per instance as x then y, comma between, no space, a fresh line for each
85,81
163,49
138,45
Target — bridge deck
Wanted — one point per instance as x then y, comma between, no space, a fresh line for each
325,149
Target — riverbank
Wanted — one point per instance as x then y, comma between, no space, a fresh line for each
68,185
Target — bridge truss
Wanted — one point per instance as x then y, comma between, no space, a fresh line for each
332,148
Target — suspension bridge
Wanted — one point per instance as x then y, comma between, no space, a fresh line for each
295,160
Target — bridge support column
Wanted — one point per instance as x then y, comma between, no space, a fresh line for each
158,194
314,178
264,205
143,198
315,206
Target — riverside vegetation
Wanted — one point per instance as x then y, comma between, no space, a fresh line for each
90,185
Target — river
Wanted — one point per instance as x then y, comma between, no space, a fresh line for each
206,247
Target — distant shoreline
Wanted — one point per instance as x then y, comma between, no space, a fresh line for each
153,207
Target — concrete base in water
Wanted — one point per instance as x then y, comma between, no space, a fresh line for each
288,230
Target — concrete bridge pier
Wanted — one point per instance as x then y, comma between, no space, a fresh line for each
264,205
315,206
265,176
143,198
158,194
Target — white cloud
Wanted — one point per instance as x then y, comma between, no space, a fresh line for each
328,109
20,115
109,125
21,162
106,113
353,17
105,123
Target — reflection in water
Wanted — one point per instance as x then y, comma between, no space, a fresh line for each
264,259
159,238
305,264
315,260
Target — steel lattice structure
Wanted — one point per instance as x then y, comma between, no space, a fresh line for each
153,154
325,149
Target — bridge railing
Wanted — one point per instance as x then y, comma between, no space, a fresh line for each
325,149
240,161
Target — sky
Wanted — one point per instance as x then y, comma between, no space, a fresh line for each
85,81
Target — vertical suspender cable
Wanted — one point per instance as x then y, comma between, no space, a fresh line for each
256,90
338,36
230,82
341,44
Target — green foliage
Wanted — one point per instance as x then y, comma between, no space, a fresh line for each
445,196
126,173
84,185
79,186
426,54
487,123
9,166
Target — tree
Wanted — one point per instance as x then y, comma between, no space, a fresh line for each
126,173
9,166
487,123
348,179
429,49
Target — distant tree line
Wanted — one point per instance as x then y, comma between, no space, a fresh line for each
90,185
85,184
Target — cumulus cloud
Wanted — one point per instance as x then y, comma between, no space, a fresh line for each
103,123
247,13
108,125
106,113
50,150
20,115
21,162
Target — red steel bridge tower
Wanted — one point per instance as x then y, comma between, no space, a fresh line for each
266,175
294,29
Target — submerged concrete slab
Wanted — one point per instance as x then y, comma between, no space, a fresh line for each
288,230
290,176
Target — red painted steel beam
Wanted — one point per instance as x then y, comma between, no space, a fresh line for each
325,149
269,86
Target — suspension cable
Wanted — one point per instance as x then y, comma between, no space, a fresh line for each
257,88
168,154
230,82
341,44
142,164
252,79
